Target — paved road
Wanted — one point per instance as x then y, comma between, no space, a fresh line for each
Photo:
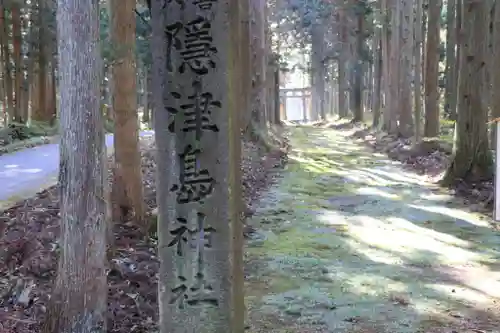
28,171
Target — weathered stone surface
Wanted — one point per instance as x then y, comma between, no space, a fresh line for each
195,51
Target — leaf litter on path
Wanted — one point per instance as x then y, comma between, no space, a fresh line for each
430,158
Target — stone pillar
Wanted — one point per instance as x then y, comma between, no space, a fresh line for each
197,95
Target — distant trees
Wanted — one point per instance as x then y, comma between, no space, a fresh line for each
410,75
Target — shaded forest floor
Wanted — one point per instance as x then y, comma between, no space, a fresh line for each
349,241
28,250
430,158
342,240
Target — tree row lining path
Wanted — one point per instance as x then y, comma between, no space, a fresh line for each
348,241
28,171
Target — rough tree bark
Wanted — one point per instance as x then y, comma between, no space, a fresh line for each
406,106
18,70
78,303
5,68
458,52
495,96
127,193
258,62
357,86
318,72
451,81
144,77
417,86
7,73
394,102
384,42
377,78
246,65
472,159
431,126
342,64
40,107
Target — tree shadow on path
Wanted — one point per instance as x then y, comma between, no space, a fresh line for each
350,242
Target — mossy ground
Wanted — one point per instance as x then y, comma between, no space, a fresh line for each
349,242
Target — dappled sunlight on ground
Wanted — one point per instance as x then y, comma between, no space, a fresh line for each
461,215
348,241
376,191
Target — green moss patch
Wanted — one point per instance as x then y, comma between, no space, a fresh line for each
347,242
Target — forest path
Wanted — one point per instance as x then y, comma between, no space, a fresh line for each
347,241
28,171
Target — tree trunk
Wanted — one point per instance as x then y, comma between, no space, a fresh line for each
357,86
7,74
456,68
78,303
472,158
269,68
27,62
431,127
146,112
406,107
490,62
127,191
2,89
246,66
50,51
42,110
386,51
276,92
52,103
394,68
377,78
368,87
259,47
451,81
425,6
18,69
417,93
149,100
342,64
318,72
495,98
5,66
